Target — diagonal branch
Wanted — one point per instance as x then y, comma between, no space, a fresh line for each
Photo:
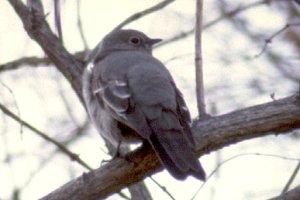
33,61
213,22
141,14
293,194
291,179
38,29
276,117
60,146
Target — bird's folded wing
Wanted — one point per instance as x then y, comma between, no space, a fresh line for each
184,117
118,98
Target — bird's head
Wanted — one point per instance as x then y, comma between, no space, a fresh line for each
127,40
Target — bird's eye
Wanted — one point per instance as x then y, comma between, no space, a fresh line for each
135,40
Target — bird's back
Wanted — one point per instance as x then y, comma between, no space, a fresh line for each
134,92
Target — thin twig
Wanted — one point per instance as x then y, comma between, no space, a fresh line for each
57,19
293,194
213,22
291,179
73,156
15,101
76,134
237,156
269,39
198,60
79,25
163,188
141,14
276,117
34,23
34,61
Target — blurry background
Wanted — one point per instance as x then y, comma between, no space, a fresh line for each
240,69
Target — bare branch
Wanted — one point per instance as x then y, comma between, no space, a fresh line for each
38,29
235,157
213,22
198,60
269,39
15,102
57,19
163,188
73,156
293,194
213,133
79,25
34,61
139,191
73,136
141,14
291,179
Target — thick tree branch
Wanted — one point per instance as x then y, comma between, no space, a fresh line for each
39,30
34,61
276,117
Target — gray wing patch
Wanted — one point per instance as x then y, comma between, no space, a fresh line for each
182,107
184,117
116,94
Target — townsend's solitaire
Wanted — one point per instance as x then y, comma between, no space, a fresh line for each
131,97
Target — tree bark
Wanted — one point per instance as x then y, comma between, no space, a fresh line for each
37,28
277,117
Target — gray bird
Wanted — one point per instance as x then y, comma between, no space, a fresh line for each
131,97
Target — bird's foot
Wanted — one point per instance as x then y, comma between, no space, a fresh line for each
117,154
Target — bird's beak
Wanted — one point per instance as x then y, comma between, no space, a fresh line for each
154,41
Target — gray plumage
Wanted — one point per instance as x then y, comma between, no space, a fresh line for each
132,97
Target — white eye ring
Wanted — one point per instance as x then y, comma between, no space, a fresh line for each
135,40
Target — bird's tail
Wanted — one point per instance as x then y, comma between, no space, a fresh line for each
174,149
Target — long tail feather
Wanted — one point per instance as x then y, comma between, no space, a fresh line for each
174,149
